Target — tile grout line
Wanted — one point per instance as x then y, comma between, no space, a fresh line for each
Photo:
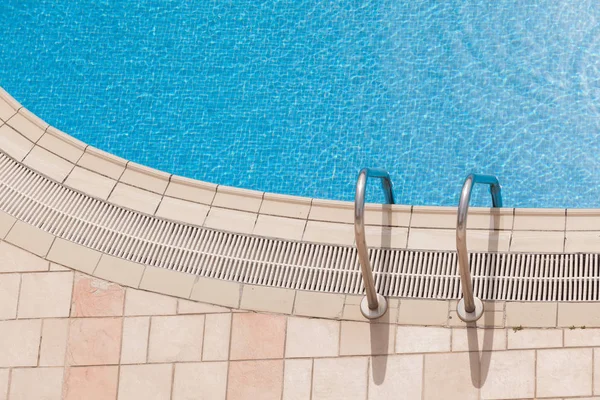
228,369
312,376
284,361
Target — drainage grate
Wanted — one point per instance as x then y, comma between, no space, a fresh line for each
149,240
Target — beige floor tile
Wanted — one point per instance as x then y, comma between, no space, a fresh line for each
257,336
297,379
216,291
476,339
13,143
484,240
386,236
28,124
30,238
433,217
340,378
195,307
532,241
534,338
255,380
7,108
134,198
15,259
166,281
177,338
45,295
9,295
508,375
134,347
420,339
91,383
183,211
363,338
394,375
230,220
387,214
423,312
279,227
564,372
269,299
58,268
91,183
6,223
200,381
316,304
93,297
20,343
432,239
49,164
540,219
94,341
579,337
145,178
73,255
490,218
285,206
55,333
329,232
4,378
582,242
140,302
578,314
217,328
103,163
118,270
238,199
311,338
583,219
191,189
331,211
535,315
48,384
61,144
148,382
451,376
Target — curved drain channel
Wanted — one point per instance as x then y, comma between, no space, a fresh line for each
154,241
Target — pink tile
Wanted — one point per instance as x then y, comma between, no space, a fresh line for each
91,383
255,380
93,297
94,341
257,336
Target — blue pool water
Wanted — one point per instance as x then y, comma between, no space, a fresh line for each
296,96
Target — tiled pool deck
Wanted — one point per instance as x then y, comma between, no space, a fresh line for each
83,324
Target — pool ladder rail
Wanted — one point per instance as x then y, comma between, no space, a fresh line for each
374,305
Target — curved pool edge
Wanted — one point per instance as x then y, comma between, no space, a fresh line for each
72,163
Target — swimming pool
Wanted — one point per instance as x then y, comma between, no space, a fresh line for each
296,97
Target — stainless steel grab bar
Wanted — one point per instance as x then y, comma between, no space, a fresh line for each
470,308
373,305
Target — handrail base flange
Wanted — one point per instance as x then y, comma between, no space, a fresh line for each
470,316
376,313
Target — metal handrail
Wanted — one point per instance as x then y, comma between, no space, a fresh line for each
470,308
373,305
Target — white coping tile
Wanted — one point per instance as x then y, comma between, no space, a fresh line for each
445,239
230,220
386,236
134,198
340,378
8,105
15,259
307,337
270,299
285,206
102,162
332,211
48,164
297,379
478,339
329,232
216,291
396,377
166,281
28,125
279,227
145,178
182,210
583,220
578,314
564,372
516,367
118,270
588,241
526,314
13,143
433,217
540,219
534,338
30,238
6,223
363,338
422,339
192,190
62,144
532,241
74,255
316,304
387,215
238,199
90,183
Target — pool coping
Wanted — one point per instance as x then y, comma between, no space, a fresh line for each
99,174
